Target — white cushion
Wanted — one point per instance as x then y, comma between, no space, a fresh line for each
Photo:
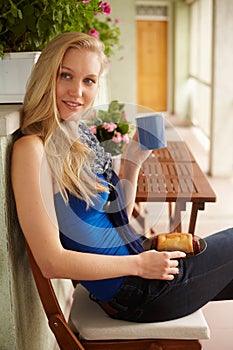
92,323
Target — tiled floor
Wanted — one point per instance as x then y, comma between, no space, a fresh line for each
215,217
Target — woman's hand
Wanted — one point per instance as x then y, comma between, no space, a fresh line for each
133,152
159,265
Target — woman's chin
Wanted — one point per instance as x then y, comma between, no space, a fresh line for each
75,116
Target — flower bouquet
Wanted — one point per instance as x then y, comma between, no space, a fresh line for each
111,127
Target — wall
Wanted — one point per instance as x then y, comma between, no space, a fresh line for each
23,324
181,60
221,161
7,326
122,74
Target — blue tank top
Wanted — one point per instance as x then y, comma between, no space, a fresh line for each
90,230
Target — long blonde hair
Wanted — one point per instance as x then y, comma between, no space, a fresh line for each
69,159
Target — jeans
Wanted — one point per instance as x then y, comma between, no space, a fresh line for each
201,278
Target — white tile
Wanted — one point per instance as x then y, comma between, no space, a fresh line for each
220,340
219,314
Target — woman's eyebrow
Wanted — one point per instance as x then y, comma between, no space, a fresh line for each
88,74
92,75
68,68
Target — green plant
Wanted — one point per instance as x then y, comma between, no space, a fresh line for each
28,25
111,127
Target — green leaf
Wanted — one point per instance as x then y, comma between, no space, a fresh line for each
14,10
67,7
123,128
42,26
1,50
20,15
30,23
28,10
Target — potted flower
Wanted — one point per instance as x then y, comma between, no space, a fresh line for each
111,127
27,26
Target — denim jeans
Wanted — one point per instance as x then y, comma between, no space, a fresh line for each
201,278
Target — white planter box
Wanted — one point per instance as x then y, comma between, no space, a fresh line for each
15,69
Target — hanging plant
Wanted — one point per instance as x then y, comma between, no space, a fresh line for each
27,25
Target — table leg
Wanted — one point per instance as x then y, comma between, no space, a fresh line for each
139,214
193,216
175,221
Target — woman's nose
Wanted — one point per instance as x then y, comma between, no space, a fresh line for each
76,90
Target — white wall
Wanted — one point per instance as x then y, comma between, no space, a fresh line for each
181,61
222,128
122,74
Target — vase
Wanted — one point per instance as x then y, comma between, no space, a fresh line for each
15,69
116,163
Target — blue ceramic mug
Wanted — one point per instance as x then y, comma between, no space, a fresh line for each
151,131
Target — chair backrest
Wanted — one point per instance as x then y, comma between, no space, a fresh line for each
56,319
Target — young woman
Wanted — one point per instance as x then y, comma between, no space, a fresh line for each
74,211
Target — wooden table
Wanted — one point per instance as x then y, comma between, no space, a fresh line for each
172,175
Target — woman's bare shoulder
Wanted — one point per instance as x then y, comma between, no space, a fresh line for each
29,145
29,141
29,166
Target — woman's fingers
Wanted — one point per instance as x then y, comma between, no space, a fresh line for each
171,265
175,271
177,255
159,265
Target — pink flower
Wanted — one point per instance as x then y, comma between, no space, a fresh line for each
94,32
110,127
125,138
93,129
105,7
117,138
117,21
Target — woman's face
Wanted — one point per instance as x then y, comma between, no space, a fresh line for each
77,83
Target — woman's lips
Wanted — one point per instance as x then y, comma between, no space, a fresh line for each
73,105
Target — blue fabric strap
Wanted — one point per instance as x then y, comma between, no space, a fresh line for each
118,216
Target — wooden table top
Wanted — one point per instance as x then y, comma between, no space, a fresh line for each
176,151
171,174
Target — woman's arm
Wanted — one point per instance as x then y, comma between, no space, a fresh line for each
133,157
33,190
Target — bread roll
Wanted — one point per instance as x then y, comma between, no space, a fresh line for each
175,241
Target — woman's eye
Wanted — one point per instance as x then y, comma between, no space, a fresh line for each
65,75
89,81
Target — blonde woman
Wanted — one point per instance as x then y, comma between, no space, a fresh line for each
74,211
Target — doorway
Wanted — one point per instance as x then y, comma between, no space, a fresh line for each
152,63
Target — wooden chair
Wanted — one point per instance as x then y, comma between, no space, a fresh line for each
89,328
